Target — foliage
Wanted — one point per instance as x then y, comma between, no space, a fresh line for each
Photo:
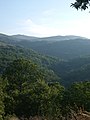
66,49
19,74
40,99
1,99
30,89
74,70
9,53
27,93
81,4
77,97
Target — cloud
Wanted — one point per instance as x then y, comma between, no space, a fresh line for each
53,28
41,30
79,27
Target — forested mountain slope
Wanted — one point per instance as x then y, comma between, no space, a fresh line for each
69,70
8,53
73,70
64,47
34,84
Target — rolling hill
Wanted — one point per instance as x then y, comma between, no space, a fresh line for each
68,59
64,47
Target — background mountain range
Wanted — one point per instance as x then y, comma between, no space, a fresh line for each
66,58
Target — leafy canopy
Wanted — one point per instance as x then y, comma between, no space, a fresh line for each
81,4
27,93
78,95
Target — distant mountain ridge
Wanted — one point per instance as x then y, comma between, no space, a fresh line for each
61,38
24,37
63,47
49,39
19,37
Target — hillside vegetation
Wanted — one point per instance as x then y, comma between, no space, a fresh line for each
49,79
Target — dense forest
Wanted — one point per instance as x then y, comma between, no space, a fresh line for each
44,77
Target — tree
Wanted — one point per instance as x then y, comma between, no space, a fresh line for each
78,96
1,99
33,101
21,72
81,4
19,75
28,94
56,97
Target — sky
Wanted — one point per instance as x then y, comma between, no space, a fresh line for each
42,18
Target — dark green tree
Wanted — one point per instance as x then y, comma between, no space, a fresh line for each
78,96
19,74
27,92
34,99
56,97
81,4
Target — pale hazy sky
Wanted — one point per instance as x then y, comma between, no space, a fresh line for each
43,18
